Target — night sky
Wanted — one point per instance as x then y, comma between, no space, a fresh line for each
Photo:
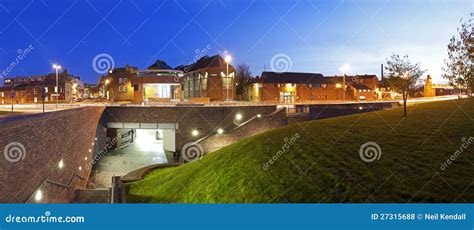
317,36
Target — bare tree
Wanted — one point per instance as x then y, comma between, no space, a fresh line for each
403,76
243,77
458,70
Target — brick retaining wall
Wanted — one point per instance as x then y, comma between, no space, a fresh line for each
48,138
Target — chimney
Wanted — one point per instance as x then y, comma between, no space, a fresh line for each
381,72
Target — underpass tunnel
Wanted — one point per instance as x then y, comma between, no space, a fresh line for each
131,149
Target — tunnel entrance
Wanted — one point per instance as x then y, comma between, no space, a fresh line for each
131,149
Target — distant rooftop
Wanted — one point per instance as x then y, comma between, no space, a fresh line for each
159,64
292,77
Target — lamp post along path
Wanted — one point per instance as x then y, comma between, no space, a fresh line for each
56,90
227,60
344,69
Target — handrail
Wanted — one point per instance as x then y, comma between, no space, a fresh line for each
66,186
240,125
56,183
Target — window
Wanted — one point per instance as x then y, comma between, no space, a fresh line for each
45,89
120,81
35,91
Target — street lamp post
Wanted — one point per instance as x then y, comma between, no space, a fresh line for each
56,90
344,69
227,60
344,87
106,93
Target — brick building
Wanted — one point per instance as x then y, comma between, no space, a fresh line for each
359,87
117,84
306,87
28,89
207,80
159,83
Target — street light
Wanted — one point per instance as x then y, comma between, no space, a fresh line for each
56,90
344,70
227,59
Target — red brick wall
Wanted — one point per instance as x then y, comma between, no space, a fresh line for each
47,138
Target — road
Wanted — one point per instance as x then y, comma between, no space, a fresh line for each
38,108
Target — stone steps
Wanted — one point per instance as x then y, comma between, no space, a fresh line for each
91,196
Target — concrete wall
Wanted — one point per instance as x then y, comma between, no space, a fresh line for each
169,140
205,119
327,111
42,140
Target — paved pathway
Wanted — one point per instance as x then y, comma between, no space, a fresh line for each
143,152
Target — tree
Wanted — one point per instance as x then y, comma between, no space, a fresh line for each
403,76
243,76
458,70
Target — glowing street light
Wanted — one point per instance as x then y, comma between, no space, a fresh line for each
220,131
57,68
227,59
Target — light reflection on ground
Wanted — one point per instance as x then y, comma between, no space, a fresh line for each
146,150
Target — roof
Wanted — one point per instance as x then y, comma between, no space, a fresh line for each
205,62
339,79
292,77
360,86
159,64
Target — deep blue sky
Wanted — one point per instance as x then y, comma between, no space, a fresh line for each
318,36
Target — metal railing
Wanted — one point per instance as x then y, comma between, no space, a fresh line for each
56,183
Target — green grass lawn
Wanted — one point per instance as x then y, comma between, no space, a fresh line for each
323,164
